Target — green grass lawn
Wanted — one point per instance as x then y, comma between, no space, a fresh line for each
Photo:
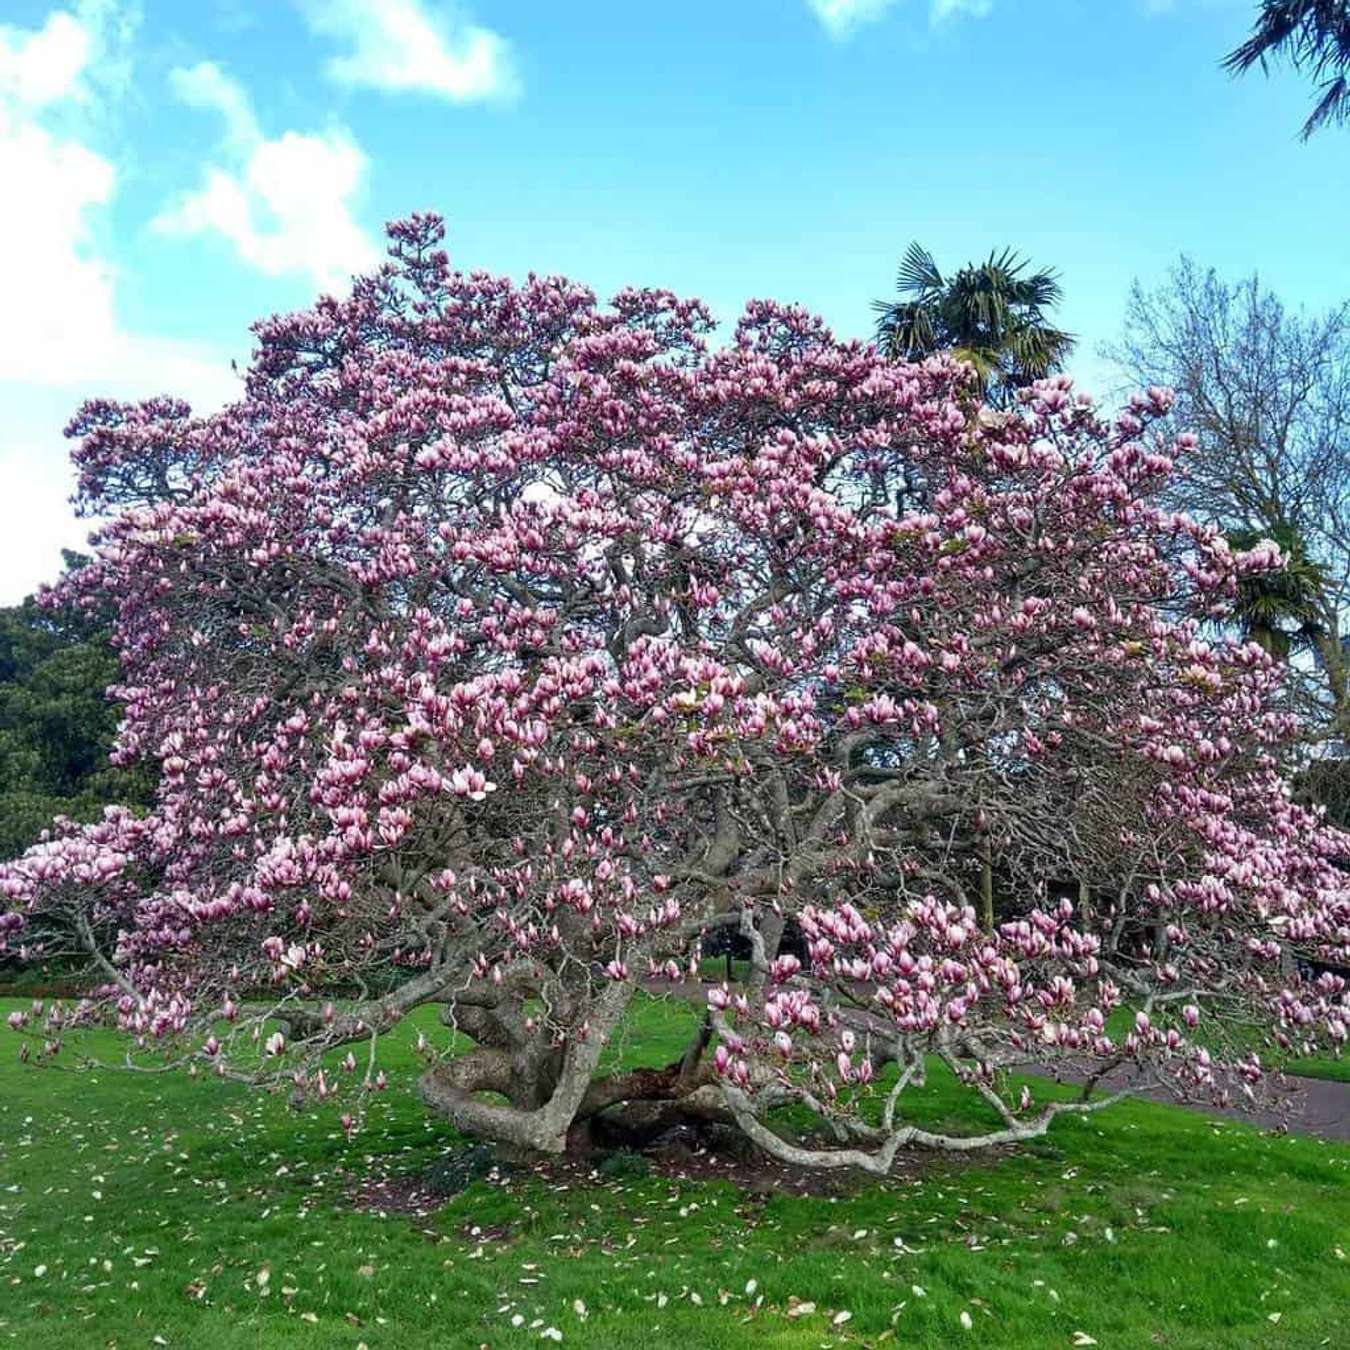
1338,1069
144,1210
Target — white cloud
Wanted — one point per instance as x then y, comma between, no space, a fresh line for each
399,47
1173,6
1178,6
285,204
44,65
949,9
206,86
59,288
842,17
63,339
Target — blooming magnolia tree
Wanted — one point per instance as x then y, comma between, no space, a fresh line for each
499,646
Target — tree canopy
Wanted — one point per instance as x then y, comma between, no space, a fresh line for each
993,315
500,644
1266,394
57,722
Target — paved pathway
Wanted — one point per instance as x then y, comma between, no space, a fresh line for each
1316,1106
1326,1108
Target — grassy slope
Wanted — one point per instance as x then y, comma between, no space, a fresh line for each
151,1203
1338,1069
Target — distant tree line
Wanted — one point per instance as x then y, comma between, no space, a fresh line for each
56,722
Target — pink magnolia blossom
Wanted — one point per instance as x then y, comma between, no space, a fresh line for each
498,646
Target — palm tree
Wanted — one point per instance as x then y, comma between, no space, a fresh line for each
1313,36
1279,610
991,314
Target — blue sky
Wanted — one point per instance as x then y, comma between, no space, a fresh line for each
175,170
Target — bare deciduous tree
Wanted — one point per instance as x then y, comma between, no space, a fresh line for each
1266,394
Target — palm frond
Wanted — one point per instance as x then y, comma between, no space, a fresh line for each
991,314
1281,607
1314,37
918,274
1037,350
1274,27
1040,290
1334,106
984,360
905,330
